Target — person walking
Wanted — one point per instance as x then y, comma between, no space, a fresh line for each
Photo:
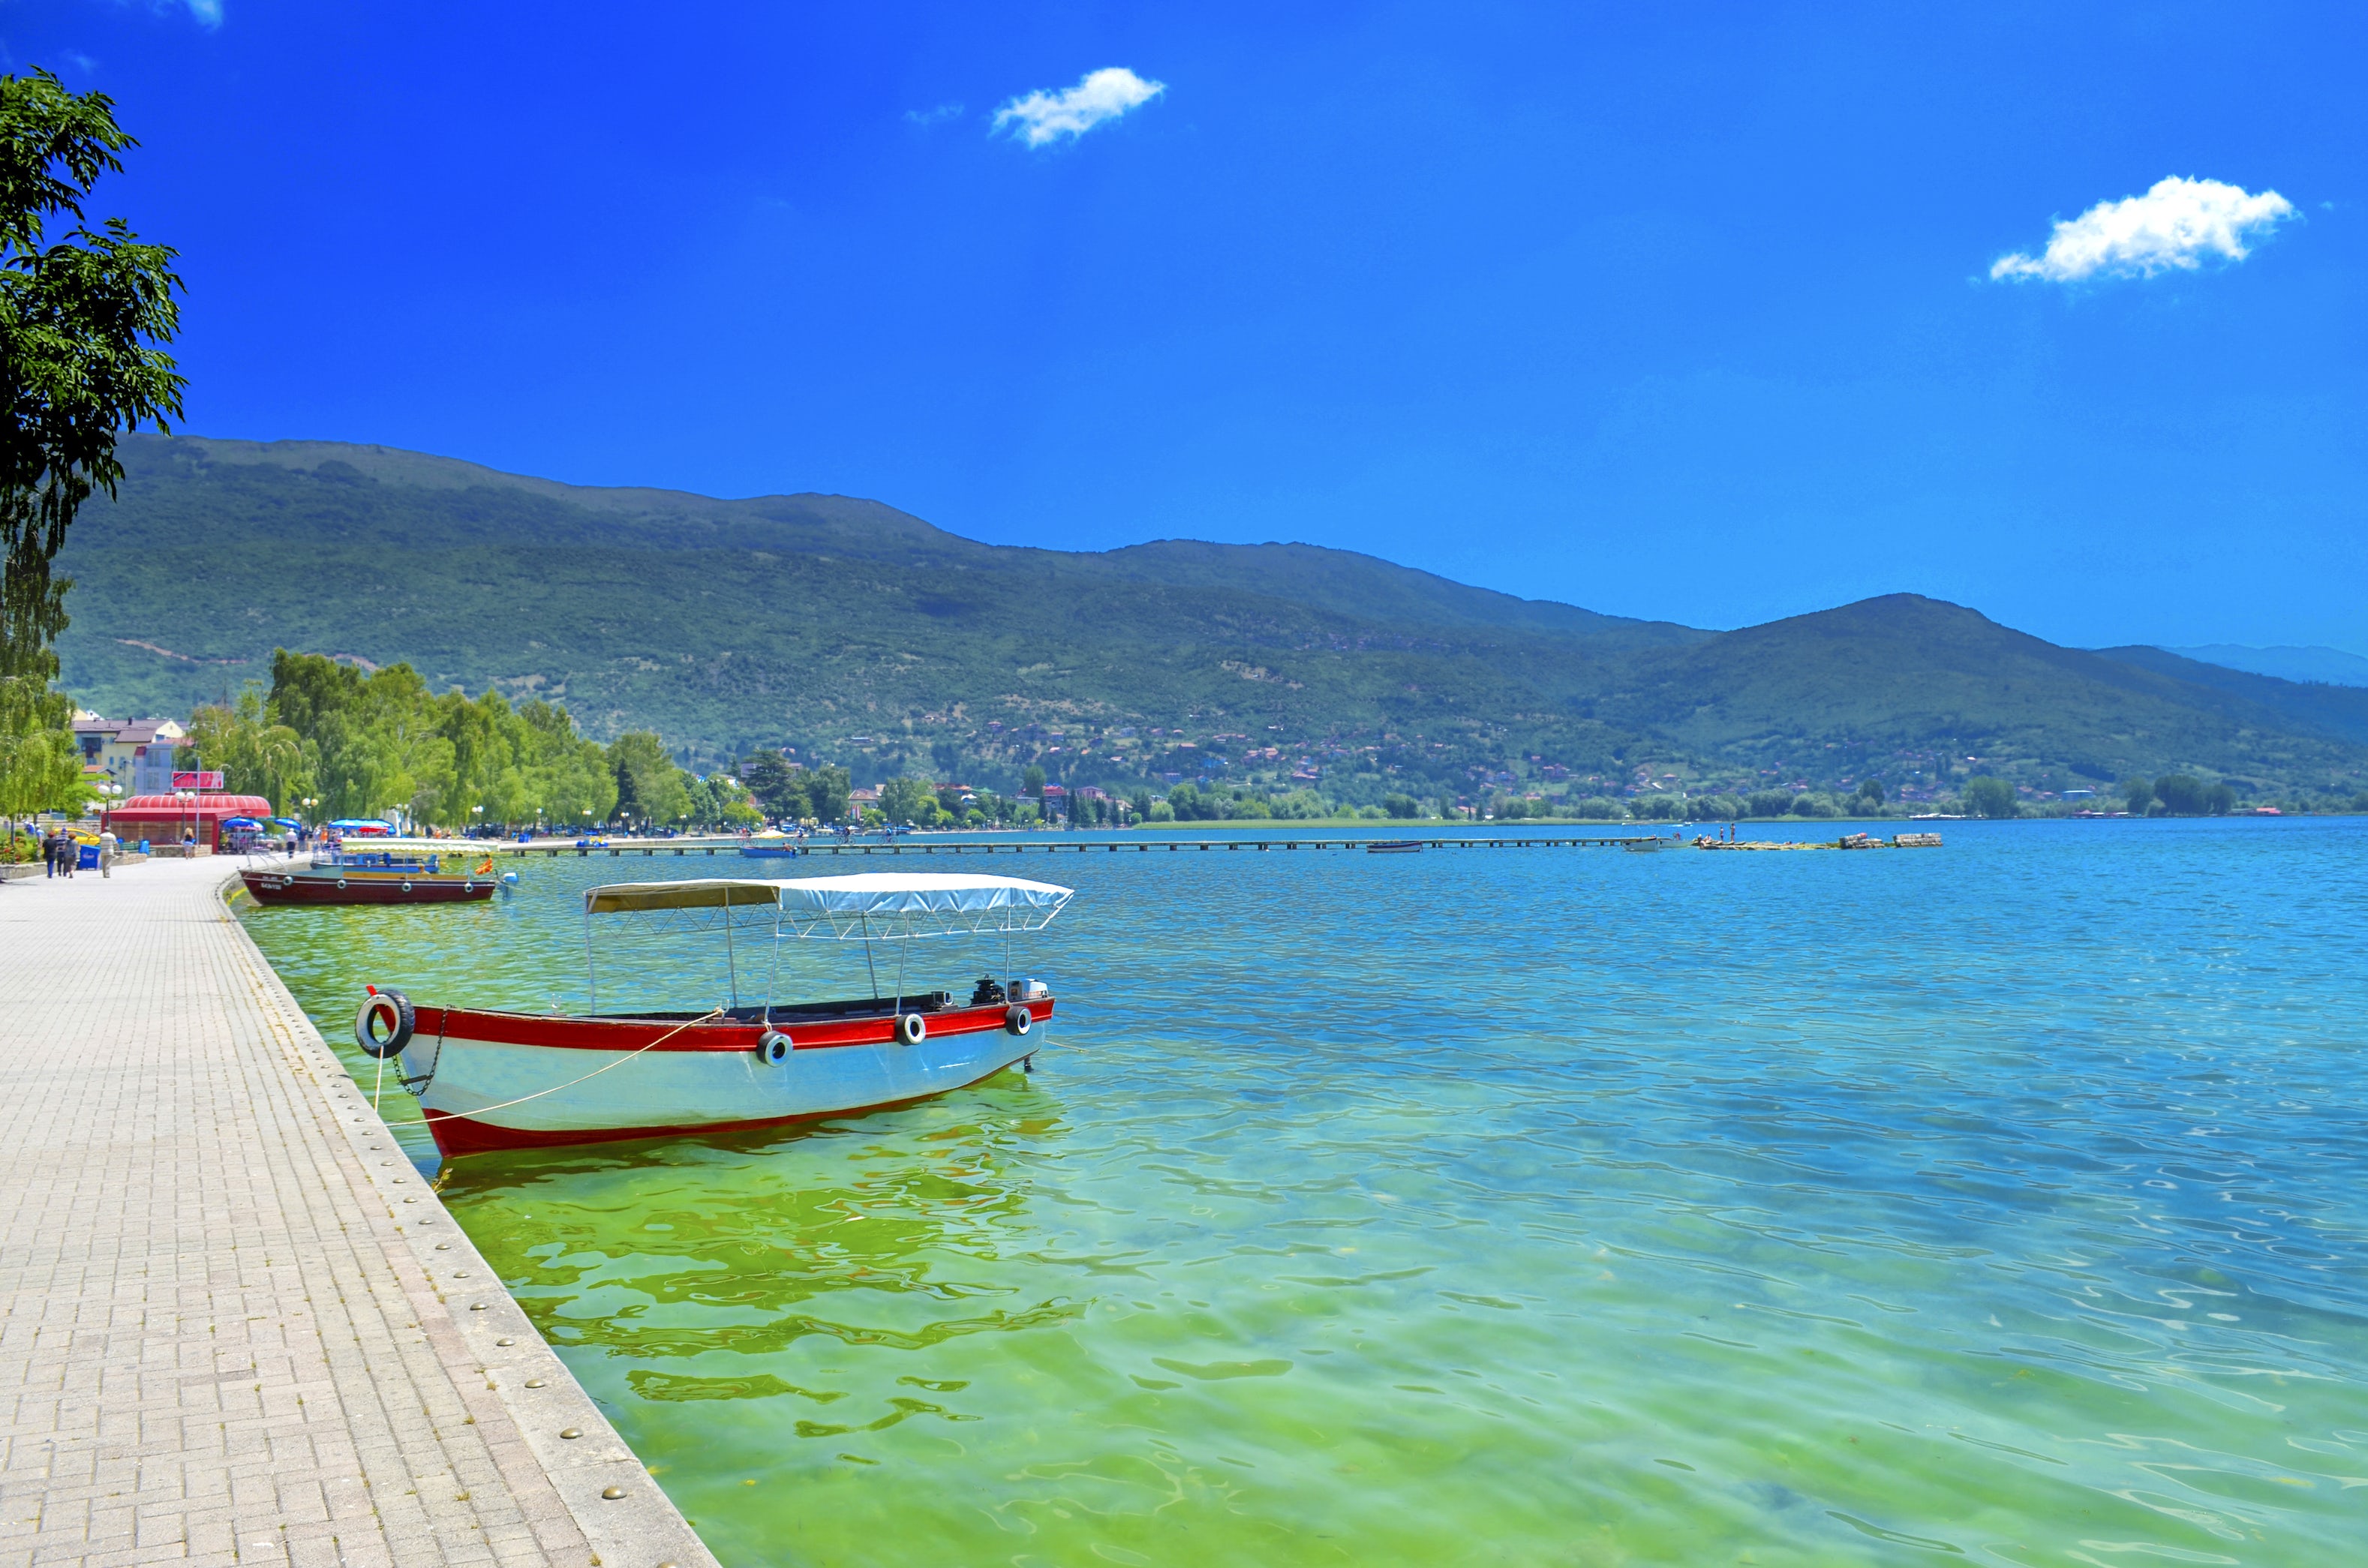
50,852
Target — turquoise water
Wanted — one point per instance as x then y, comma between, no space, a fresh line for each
2003,1202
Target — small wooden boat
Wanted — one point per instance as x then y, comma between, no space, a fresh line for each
341,876
1394,847
490,1079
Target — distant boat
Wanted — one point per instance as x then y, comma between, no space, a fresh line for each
339,876
1395,847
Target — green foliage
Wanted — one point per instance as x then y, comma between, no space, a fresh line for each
1403,808
40,766
649,788
2182,794
904,800
1870,791
1032,781
2137,794
1987,797
364,744
1598,808
807,621
720,801
80,316
256,756
1768,803
2220,800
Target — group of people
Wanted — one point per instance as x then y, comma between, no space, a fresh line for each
62,853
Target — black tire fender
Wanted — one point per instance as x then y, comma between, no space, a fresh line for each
912,1028
390,1010
773,1048
1019,1021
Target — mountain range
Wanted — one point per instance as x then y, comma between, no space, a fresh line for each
857,633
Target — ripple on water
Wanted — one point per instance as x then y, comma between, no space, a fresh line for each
2001,1203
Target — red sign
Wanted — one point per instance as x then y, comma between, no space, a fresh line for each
198,780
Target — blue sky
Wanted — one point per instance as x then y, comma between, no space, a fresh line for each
1680,311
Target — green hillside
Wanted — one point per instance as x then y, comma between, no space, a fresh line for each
1905,686
862,635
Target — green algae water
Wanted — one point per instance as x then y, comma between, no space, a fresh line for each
2005,1203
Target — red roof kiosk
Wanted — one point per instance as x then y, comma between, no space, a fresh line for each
164,818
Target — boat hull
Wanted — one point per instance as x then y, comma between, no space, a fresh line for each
303,887
518,1081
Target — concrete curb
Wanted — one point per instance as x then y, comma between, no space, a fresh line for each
480,1334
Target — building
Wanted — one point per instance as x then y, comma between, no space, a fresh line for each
168,818
139,756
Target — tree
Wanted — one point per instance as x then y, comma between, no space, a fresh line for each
255,755
720,801
777,786
2220,800
1403,807
2137,794
1870,790
828,791
908,800
1033,782
649,788
80,319
2181,794
1989,797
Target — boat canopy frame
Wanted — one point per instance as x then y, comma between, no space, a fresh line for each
879,907
890,906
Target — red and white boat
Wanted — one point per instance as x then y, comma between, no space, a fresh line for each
499,1080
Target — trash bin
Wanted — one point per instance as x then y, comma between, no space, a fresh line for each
88,859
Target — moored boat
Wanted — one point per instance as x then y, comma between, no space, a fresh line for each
488,1079
341,876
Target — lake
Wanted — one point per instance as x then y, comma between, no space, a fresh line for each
2007,1201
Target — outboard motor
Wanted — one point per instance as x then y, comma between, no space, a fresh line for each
988,994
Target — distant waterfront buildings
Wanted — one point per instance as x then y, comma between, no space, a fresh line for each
139,756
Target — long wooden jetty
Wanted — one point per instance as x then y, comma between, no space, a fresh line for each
785,851
1061,844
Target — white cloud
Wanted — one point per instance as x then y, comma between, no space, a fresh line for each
928,117
2174,225
1045,117
207,12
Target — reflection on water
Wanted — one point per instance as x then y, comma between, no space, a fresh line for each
1999,1203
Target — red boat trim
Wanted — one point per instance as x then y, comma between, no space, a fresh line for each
456,1134
663,1035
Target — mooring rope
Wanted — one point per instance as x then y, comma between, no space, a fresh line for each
711,1013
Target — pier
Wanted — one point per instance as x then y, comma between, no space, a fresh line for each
240,1327
1061,843
1053,844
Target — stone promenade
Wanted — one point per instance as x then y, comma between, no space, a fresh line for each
238,1326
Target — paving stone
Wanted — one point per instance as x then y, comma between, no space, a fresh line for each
215,1344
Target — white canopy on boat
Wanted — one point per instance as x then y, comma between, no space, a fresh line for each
880,906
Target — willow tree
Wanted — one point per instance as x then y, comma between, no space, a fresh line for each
83,314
